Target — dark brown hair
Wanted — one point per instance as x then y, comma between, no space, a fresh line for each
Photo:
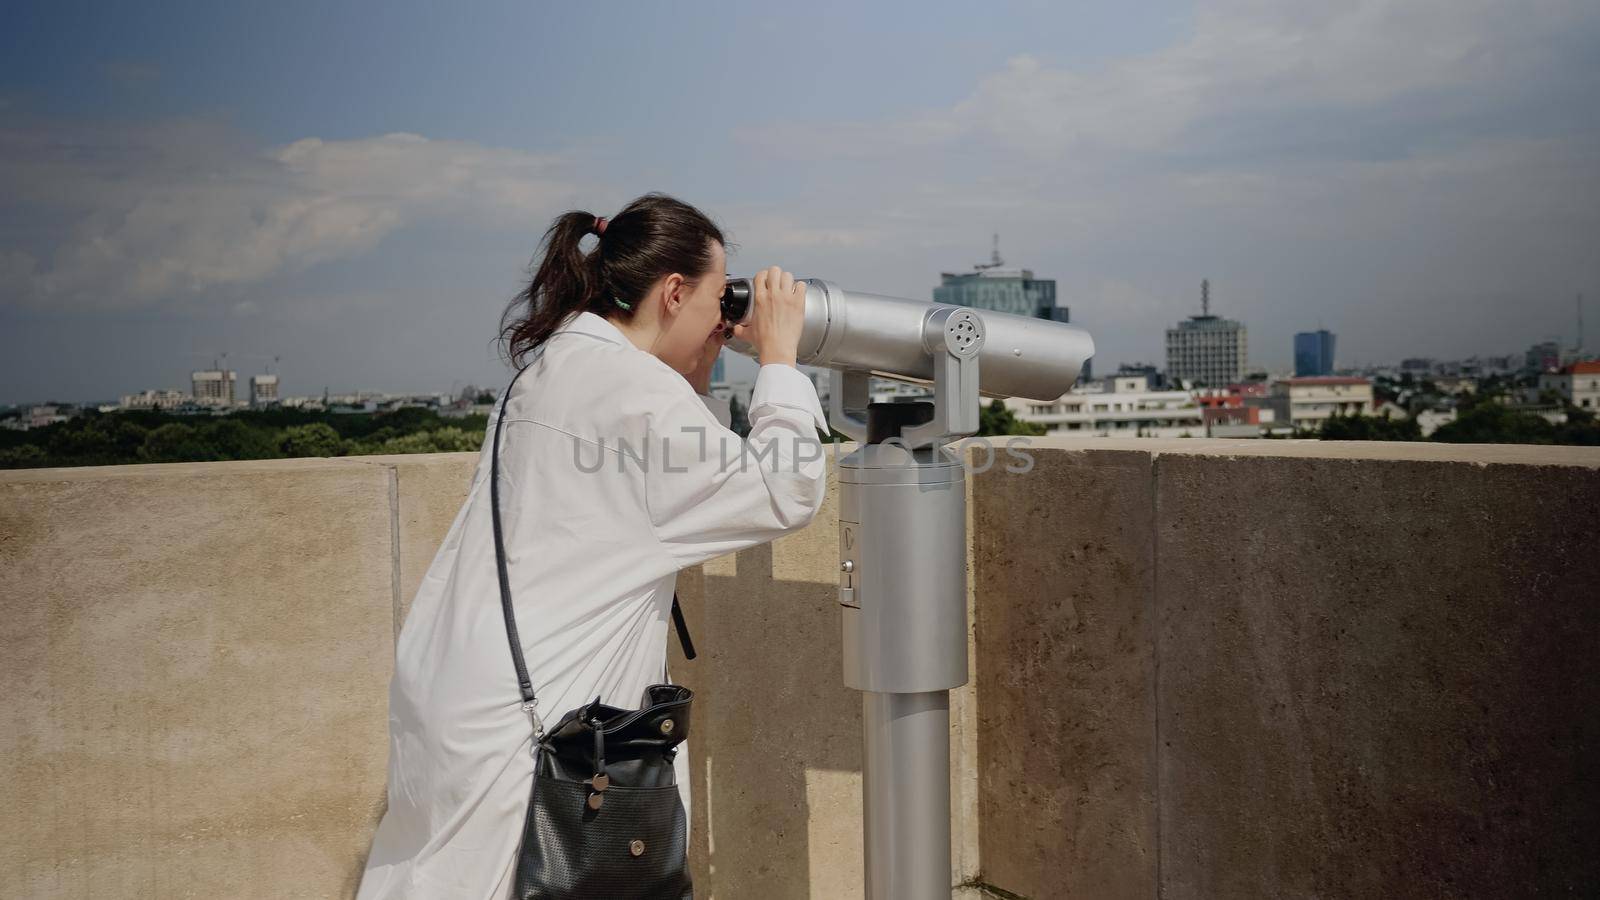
654,236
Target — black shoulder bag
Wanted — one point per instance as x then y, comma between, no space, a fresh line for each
604,816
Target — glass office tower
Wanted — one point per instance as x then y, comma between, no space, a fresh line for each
1313,353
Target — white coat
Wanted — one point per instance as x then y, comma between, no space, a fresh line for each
614,475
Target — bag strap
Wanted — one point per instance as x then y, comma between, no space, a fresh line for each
529,701
682,628
524,683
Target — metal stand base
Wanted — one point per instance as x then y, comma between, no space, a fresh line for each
906,795
903,593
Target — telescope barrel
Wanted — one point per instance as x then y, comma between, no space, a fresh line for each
1038,359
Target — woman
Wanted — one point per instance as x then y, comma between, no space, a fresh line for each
614,475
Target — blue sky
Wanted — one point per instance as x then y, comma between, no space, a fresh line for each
357,188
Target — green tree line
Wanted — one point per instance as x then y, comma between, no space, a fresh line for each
151,436
1481,422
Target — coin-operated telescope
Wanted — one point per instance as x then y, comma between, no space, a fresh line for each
902,535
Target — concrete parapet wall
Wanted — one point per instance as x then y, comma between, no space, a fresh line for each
1289,669
195,660
1201,669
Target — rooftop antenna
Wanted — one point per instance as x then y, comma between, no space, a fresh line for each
995,261
1205,297
1580,324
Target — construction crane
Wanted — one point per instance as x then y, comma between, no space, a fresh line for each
218,359
272,369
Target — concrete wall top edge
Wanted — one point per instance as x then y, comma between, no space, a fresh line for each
390,459
230,467
174,470
1400,451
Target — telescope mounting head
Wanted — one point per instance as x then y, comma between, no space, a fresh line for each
952,337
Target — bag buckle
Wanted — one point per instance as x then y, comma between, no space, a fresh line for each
531,707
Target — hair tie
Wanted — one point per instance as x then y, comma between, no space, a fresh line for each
599,224
622,303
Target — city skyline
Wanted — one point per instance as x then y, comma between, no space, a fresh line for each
1419,178
1560,353
744,369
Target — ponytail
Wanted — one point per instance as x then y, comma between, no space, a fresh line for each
565,282
654,236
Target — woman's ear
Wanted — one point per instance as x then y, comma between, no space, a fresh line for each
674,293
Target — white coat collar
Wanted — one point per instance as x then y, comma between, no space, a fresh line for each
594,325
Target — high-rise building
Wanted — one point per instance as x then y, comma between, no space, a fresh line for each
1313,353
1207,349
213,386
263,390
1008,290
1543,357
1015,291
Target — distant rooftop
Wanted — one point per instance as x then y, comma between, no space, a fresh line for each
994,268
1327,379
1024,274
1207,323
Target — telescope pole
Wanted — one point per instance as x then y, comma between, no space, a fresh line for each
905,794
903,594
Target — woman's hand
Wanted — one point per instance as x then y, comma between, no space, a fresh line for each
700,376
779,316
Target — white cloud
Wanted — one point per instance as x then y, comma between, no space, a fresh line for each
157,217
1354,164
1243,58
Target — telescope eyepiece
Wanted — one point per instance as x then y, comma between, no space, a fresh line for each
736,296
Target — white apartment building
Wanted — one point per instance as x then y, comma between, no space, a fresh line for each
1456,385
37,417
1578,384
154,399
1431,420
1308,402
214,386
1121,406
891,390
263,390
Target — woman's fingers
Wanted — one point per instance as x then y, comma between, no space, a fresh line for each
779,315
